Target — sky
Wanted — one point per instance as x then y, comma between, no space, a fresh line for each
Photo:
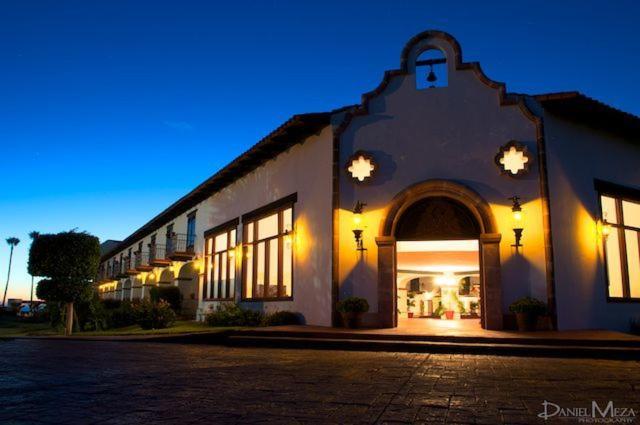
110,110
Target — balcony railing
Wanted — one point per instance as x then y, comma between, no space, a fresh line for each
129,267
181,247
158,256
141,262
114,270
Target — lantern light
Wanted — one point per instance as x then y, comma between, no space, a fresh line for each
516,210
357,225
603,227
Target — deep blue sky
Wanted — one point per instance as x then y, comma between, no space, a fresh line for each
111,110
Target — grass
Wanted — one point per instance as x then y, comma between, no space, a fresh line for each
180,326
10,327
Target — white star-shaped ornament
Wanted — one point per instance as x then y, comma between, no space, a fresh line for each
361,168
513,160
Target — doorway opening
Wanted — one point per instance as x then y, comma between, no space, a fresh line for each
438,265
438,281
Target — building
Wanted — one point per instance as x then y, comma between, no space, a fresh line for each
465,198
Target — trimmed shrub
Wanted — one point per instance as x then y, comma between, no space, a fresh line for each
353,305
122,315
170,294
154,315
281,318
232,315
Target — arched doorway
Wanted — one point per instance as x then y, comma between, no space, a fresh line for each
166,277
126,290
150,280
118,291
431,217
188,284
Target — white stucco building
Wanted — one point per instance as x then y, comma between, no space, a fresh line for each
471,197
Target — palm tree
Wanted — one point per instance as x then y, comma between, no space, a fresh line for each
12,243
33,235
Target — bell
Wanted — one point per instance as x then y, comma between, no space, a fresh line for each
431,77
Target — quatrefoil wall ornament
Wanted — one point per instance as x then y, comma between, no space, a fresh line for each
361,166
513,159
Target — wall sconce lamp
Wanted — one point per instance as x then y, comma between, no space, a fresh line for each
604,228
516,211
357,225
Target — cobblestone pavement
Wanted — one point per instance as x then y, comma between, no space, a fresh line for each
115,382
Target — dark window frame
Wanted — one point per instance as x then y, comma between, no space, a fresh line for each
278,207
207,291
619,193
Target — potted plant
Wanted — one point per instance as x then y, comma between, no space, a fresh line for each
473,306
352,309
527,311
438,312
410,304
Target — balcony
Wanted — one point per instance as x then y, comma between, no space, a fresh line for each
121,273
129,268
181,247
114,270
141,260
158,256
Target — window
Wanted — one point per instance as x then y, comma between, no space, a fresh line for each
191,231
622,246
268,256
169,238
152,248
220,262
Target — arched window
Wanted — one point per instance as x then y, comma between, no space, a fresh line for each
431,70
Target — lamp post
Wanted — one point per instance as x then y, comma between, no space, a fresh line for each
517,215
357,225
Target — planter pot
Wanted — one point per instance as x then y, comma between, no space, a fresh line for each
526,321
449,314
410,314
352,320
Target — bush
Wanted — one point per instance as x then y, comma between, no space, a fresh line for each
122,313
281,318
233,315
528,305
353,305
154,315
170,294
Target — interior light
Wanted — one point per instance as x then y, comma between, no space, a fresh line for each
446,279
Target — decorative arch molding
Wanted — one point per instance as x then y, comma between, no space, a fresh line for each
438,188
166,277
489,238
188,271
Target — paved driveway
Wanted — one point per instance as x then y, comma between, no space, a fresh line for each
119,382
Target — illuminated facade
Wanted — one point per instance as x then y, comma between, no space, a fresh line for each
468,197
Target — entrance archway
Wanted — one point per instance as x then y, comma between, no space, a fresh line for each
126,290
440,209
188,284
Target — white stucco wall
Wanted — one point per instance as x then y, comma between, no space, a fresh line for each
305,169
576,155
451,133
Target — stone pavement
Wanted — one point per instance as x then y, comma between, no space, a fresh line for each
88,382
